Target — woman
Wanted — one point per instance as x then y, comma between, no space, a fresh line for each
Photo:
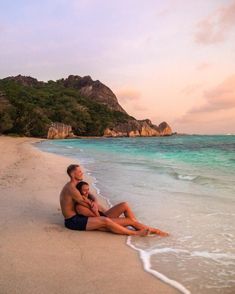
113,213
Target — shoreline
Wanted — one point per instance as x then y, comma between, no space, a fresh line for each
40,254
143,255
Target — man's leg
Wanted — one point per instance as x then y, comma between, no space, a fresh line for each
101,223
120,208
124,222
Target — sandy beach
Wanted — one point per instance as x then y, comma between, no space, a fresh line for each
39,255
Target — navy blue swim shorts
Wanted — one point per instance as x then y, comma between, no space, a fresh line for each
77,222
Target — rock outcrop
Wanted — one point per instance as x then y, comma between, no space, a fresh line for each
25,81
94,90
165,129
138,128
60,131
100,93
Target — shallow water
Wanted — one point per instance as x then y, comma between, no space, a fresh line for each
184,185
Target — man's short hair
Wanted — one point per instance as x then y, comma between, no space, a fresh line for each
71,168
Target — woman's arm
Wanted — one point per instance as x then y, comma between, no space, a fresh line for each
85,211
78,198
96,203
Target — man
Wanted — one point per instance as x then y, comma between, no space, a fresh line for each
74,221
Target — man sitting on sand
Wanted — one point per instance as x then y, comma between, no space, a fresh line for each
70,197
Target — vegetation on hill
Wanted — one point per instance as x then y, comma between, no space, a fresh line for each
29,109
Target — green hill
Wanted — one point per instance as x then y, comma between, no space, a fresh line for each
28,107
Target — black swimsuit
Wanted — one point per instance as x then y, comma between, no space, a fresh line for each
78,221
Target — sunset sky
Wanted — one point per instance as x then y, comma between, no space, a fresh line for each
166,60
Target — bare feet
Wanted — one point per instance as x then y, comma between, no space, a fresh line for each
134,219
158,232
142,232
155,231
164,234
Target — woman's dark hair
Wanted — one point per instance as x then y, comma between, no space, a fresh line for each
80,185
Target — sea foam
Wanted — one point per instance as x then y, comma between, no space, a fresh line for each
145,257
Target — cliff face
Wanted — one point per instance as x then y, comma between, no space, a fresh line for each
59,131
94,90
102,94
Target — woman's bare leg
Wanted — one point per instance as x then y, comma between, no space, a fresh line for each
125,222
138,226
123,207
120,208
128,220
100,223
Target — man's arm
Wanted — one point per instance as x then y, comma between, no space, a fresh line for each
76,195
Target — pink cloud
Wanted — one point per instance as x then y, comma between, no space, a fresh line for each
220,99
126,95
215,27
139,107
203,66
215,123
131,98
191,89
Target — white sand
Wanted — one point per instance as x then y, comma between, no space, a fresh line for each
39,255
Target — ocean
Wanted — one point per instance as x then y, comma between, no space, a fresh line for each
184,185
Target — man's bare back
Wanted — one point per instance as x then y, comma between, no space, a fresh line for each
69,196
67,202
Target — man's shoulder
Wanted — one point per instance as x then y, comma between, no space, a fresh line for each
65,188
70,187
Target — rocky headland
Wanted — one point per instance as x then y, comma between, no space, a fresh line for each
66,108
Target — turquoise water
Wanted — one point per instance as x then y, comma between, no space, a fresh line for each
182,184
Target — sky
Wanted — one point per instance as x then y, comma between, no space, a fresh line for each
171,60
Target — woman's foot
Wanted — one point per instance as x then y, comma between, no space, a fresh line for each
158,232
142,232
140,226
